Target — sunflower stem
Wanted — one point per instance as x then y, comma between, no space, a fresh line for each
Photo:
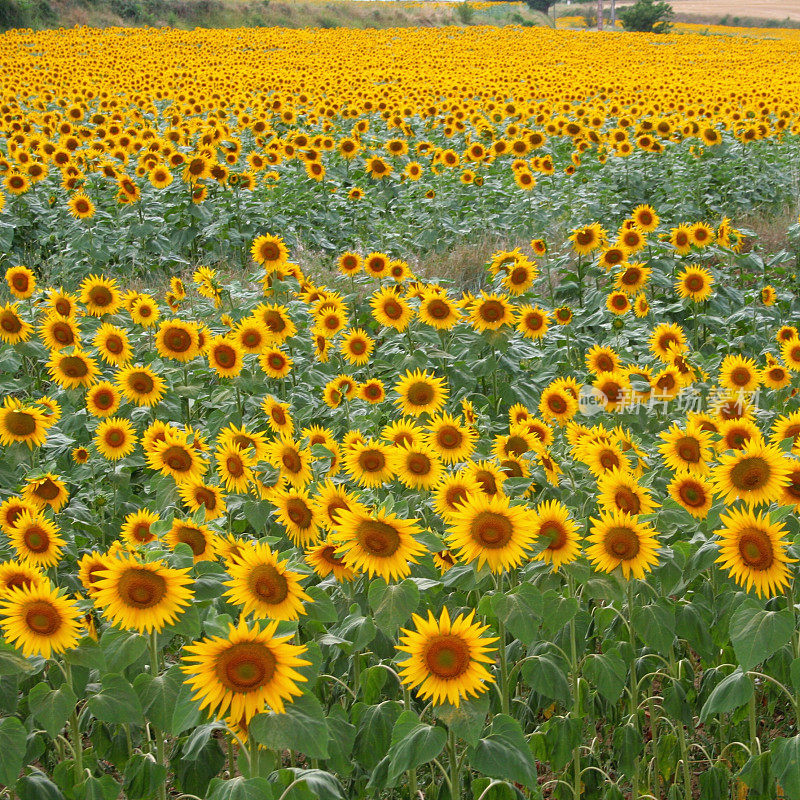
74,728
576,703
795,646
634,690
455,781
504,688
412,773
687,776
155,668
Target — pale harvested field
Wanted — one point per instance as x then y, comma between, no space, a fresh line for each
763,9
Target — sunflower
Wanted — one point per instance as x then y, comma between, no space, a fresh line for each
356,346
701,234
47,491
755,474
244,673
667,339
556,403
58,332
279,417
22,423
552,524
178,341
270,252
137,527
618,489
144,311
532,321
251,335
18,575
225,356
40,621
10,511
263,585
112,344
417,467
449,438
115,438
585,240
632,278
786,427
775,376
620,540
602,359
446,659
298,514
420,392
378,168
72,370
100,295
369,463
490,312
739,374
790,353
694,283
377,543
36,539
322,558
768,296
453,490
21,282
491,531
140,385
693,492
13,329
437,310
291,460
390,309
89,568
200,538
688,449
144,597
102,399
753,550
681,239
173,455
234,466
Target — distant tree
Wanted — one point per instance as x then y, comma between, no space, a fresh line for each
540,5
649,16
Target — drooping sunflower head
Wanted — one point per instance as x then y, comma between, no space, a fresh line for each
22,423
46,491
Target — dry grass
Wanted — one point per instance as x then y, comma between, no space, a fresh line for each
770,228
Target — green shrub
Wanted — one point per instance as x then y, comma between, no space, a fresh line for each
647,16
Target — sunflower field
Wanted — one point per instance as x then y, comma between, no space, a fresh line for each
285,516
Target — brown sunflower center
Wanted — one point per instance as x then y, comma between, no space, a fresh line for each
447,656
234,466
11,322
456,495
372,460
491,530
516,445
328,554
449,437
141,383
438,309
694,283
626,500
419,464
74,367
177,458
20,423
557,404
178,340
141,532
750,473
115,437
268,585
392,309
36,539
358,347
114,344
609,459
100,296
47,490
42,618
622,543
487,482
688,449
292,461
245,667
555,533
194,537
740,376
104,399
298,512
141,588
378,538
755,549
692,494
491,311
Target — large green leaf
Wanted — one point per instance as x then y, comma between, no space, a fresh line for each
504,753
413,743
374,734
729,694
301,727
757,634
13,744
392,604
158,695
51,707
607,672
116,702
786,765
240,789
547,677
